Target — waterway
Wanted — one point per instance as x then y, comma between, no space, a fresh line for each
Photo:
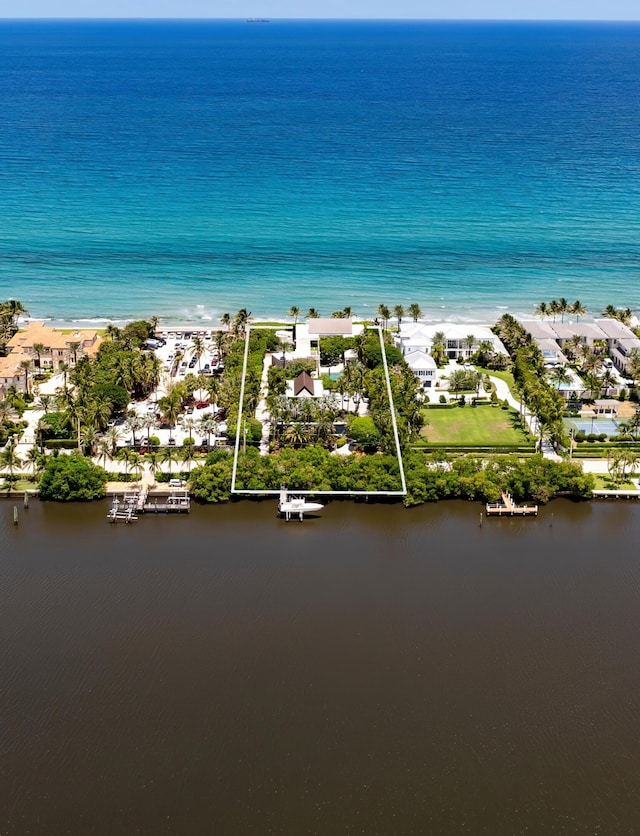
376,670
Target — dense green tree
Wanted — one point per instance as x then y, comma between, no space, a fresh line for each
72,477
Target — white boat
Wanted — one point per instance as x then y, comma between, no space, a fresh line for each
296,506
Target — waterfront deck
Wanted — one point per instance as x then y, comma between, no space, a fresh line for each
127,507
509,508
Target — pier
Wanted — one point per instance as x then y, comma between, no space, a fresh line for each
127,507
509,508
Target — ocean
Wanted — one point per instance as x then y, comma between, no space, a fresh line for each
185,169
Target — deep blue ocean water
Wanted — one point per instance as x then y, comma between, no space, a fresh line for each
189,168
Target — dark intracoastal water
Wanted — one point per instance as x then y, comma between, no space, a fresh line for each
376,671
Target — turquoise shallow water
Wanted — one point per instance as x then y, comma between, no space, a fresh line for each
185,169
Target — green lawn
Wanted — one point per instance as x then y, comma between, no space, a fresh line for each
472,425
20,485
605,483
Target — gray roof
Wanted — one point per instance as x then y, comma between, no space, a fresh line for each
330,326
566,330
538,330
614,329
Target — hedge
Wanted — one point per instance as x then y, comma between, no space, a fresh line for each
61,443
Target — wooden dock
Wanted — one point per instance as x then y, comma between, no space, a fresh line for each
508,508
127,507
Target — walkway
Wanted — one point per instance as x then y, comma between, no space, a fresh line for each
262,413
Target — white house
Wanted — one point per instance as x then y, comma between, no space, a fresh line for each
424,368
457,339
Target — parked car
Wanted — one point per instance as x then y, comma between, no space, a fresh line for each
176,483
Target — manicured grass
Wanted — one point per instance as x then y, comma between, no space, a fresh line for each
472,425
606,483
21,485
506,376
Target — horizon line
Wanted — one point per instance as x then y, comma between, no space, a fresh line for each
268,19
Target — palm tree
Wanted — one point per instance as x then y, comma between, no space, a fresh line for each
398,312
169,455
414,311
294,311
560,375
73,348
384,313
45,402
469,341
578,310
225,321
563,307
112,437
171,406
189,425
104,451
438,349
38,349
35,459
554,309
26,365
607,380
312,313
89,437
542,310
135,460
198,349
188,455
348,311
133,423
10,460
154,463
208,425
125,456
295,434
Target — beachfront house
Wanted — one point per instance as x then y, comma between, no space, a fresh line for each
11,373
309,333
50,348
457,340
610,334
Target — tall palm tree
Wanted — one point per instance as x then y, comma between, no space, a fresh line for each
169,455
348,312
294,311
198,350
171,406
10,461
415,311
384,313
312,313
35,459
104,451
554,308
38,349
578,310
26,366
468,342
208,425
398,312
124,455
188,455
74,348
541,310
225,321
563,307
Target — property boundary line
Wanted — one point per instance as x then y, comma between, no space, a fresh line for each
392,409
